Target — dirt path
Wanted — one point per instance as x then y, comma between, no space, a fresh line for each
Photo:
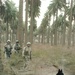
37,69
41,71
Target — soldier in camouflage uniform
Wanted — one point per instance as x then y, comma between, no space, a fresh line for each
27,52
17,47
8,49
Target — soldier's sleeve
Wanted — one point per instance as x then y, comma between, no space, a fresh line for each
5,46
23,51
20,47
30,53
30,49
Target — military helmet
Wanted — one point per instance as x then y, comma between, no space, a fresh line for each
8,41
17,41
28,43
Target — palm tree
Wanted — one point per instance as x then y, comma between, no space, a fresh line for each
54,7
47,24
1,65
26,22
73,35
20,22
64,26
70,26
9,15
73,29
33,13
48,34
43,28
31,26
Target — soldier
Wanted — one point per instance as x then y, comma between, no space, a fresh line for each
27,52
8,49
17,47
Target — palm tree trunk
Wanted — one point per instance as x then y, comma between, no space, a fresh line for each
58,37
51,38
64,31
70,26
13,32
73,38
20,29
31,26
55,33
26,22
52,34
42,38
64,27
1,65
39,38
48,35
7,31
73,35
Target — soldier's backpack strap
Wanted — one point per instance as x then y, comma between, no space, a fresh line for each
26,52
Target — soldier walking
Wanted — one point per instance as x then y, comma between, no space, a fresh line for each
8,49
17,47
27,53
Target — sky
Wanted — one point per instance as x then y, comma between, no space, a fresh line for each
43,9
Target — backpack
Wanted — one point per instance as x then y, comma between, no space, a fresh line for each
26,52
17,47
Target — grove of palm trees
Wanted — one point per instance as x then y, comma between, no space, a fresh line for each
52,43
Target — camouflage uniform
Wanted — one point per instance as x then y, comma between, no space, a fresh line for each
8,49
27,52
17,47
